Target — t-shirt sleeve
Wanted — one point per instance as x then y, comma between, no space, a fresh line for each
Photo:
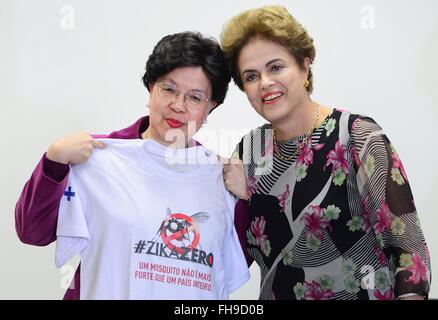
236,268
72,230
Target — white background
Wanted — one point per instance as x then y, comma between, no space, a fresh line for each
76,65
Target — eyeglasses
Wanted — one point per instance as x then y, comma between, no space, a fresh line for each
193,99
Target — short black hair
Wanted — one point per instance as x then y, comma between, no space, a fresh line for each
190,49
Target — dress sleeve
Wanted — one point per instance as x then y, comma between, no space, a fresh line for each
389,209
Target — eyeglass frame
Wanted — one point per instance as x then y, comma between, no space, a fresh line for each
158,84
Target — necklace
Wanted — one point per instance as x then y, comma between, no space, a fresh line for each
302,143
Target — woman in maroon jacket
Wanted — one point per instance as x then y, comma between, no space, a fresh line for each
199,72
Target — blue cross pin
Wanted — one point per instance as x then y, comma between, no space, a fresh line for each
69,193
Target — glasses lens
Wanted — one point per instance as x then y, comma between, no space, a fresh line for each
168,91
193,99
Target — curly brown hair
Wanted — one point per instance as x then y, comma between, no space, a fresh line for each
272,23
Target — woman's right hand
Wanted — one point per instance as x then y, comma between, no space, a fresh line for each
73,149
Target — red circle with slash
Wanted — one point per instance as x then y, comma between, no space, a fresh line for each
169,237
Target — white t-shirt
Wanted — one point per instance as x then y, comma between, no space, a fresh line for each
147,229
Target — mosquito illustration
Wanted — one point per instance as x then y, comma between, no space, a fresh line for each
178,227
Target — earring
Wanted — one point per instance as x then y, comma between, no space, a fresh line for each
205,121
306,83
147,105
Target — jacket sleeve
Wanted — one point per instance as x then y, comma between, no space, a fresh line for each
36,211
242,219
389,209
242,223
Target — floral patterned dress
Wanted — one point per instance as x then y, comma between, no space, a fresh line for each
336,222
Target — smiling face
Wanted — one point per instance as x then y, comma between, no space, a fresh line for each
173,119
272,80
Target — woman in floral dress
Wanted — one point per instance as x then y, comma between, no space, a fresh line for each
331,213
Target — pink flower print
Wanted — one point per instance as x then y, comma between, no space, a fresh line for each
337,157
366,227
366,214
379,253
252,185
396,163
269,148
316,292
315,222
306,154
283,197
388,295
355,156
354,125
418,269
383,218
258,230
